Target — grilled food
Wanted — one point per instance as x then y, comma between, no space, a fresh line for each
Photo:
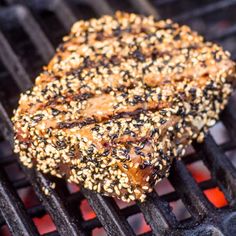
120,99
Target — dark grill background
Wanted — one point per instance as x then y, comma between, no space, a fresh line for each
29,32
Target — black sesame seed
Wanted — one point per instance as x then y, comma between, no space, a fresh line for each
115,60
38,117
132,134
154,131
105,153
107,90
60,145
181,111
155,54
117,31
163,112
144,165
162,121
55,112
192,91
177,37
138,55
113,136
125,166
137,99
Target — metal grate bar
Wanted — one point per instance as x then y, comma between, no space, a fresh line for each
55,233
188,190
173,196
233,56
108,214
207,184
144,7
158,214
221,168
9,1
228,146
21,223
163,2
190,158
221,35
100,6
76,197
147,234
59,7
2,220
65,223
229,116
6,124
34,31
63,12
208,9
6,160
170,197
91,224
36,211
12,63
130,210
21,183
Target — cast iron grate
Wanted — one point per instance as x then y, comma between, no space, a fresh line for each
29,32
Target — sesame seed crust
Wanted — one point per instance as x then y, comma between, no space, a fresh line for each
123,96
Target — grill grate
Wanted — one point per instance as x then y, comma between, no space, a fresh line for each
29,32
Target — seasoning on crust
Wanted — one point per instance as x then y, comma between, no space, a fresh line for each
121,98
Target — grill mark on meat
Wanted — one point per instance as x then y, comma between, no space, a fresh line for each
88,91
88,121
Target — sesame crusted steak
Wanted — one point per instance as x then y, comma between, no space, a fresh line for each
121,98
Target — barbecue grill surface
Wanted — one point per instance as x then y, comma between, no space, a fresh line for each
30,30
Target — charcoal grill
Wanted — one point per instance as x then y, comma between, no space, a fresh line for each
29,32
